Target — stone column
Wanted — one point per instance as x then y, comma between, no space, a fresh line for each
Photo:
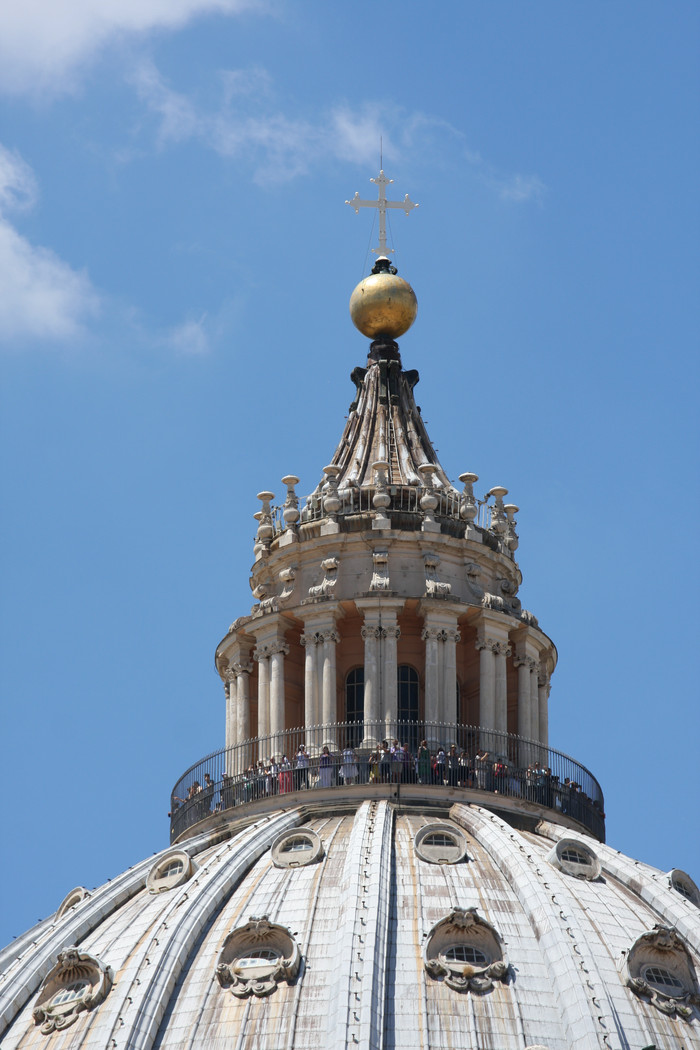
277,654
534,700
229,676
449,675
311,705
243,669
487,684
329,712
432,683
371,689
388,635
243,753
502,651
263,661
320,688
492,642
543,698
523,663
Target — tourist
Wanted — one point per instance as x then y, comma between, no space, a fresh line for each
301,771
348,770
424,769
325,768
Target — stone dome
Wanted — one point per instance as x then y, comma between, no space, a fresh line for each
387,852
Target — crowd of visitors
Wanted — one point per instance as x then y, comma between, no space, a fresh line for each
388,763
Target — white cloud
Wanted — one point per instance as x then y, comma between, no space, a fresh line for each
250,125
41,296
189,338
44,44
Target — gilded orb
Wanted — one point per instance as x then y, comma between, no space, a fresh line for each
383,305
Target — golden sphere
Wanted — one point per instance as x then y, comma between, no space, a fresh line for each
383,305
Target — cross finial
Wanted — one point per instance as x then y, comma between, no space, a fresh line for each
381,204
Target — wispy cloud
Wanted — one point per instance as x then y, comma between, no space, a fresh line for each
250,124
190,338
41,296
45,45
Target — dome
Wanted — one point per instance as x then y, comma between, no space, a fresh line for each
387,851
367,942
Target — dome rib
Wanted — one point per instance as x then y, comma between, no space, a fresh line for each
580,1018
363,941
155,990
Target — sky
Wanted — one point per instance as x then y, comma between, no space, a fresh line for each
176,260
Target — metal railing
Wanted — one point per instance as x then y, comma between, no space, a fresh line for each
405,499
351,754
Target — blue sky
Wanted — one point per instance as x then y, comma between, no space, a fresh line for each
175,264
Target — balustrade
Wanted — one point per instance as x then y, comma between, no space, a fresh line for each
475,759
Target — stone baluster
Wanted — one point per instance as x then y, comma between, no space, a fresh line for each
290,511
265,528
429,500
511,536
499,518
381,499
468,508
331,500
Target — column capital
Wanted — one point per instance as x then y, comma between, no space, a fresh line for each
328,636
520,660
429,633
387,632
229,675
263,651
309,639
242,667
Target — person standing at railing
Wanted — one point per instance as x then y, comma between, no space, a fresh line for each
349,770
301,771
385,762
424,770
325,768
439,766
452,767
285,775
482,768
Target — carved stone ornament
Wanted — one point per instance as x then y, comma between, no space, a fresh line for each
325,588
71,900
660,969
256,957
434,587
76,983
380,574
465,952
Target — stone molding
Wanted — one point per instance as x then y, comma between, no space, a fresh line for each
662,947
465,927
257,934
71,967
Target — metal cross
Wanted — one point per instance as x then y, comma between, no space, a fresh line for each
381,204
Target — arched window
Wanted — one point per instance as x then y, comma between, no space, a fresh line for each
355,705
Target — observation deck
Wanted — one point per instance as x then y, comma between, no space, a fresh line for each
341,762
